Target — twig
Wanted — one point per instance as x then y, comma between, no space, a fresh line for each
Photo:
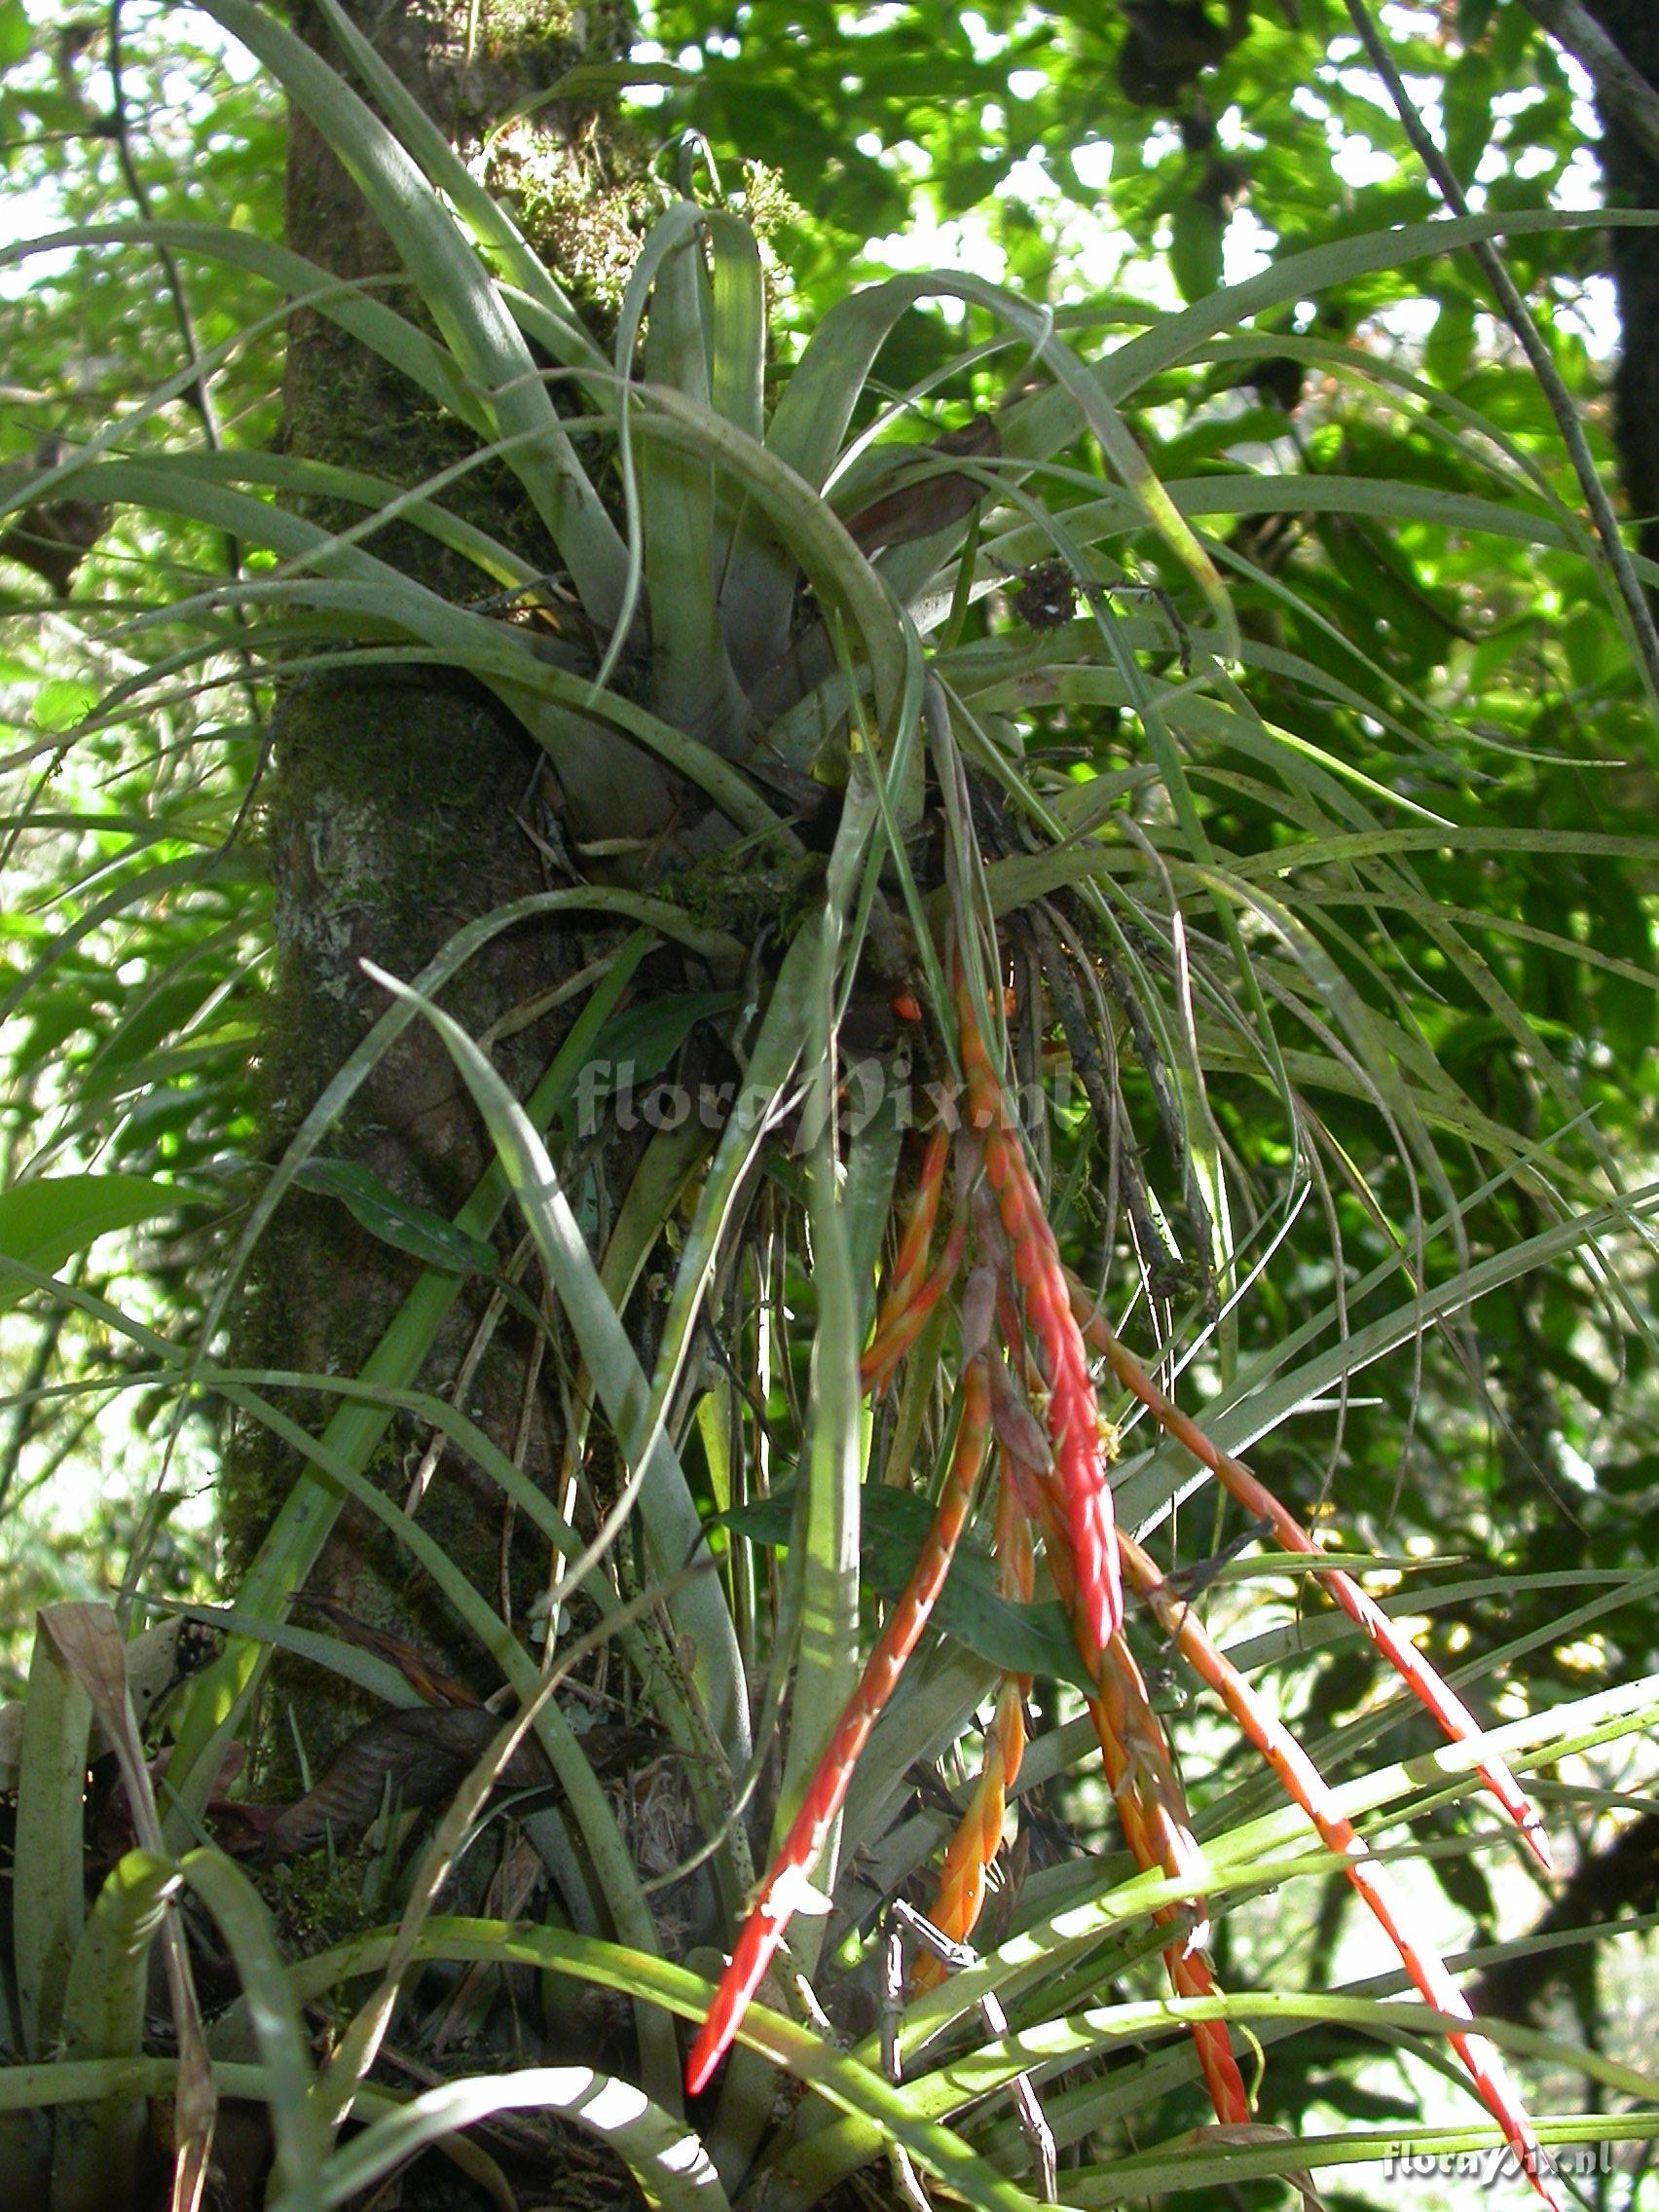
957,1958
1620,86
24,1401
1518,318
197,392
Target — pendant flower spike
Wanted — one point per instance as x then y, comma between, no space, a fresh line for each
1053,1483
1082,1457
774,1905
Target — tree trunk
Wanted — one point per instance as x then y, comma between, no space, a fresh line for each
1633,181
404,802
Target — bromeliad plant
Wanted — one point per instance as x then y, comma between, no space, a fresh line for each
774,633
1057,1486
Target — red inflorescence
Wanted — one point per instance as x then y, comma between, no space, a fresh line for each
771,1912
1054,1480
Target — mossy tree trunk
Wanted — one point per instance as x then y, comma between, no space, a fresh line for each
403,802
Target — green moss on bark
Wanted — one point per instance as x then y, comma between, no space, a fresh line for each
393,819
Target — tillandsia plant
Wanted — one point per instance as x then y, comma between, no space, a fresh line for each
1059,1487
902,790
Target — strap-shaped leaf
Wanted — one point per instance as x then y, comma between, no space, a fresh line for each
483,215
352,306
103,2018
558,708
691,678
637,1418
47,1896
668,2161
1250,1409
846,2085
294,1541
811,420
445,269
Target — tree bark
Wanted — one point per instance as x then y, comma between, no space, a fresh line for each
403,803
1632,172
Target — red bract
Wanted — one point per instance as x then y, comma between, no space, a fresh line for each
1082,1460
1055,1478
1459,1722
910,1261
1152,1809
1307,1787
912,1292
1152,1812
900,1323
773,1907
961,1892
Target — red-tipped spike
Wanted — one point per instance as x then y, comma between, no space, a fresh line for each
1459,1722
911,1258
900,1325
1082,1457
961,1893
1307,1787
775,1906
1152,1808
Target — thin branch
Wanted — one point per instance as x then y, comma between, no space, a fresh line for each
26,1405
1519,320
197,392
1620,86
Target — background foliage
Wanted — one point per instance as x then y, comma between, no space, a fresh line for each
1475,687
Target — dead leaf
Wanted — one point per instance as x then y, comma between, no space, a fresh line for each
928,503
437,1687
54,535
1258,2131
420,1757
